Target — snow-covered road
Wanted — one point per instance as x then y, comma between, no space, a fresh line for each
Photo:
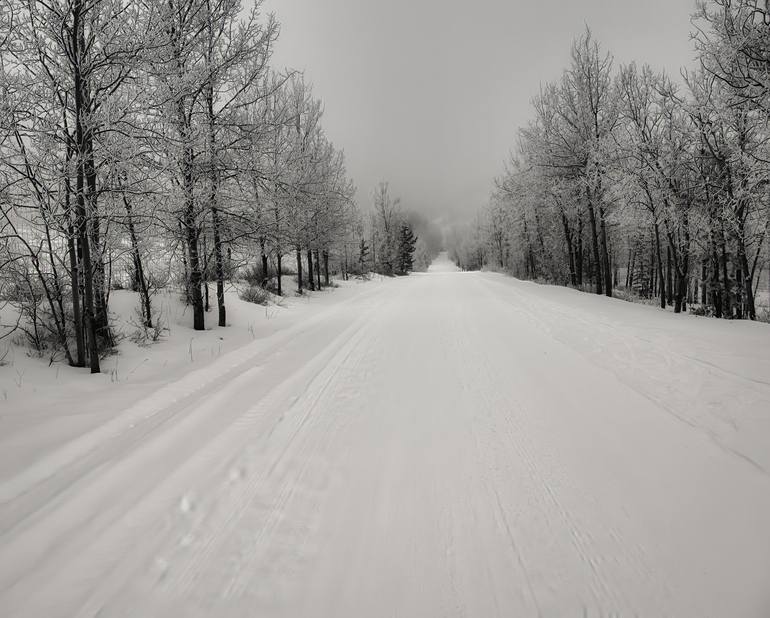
447,444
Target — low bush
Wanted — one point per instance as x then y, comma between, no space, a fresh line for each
255,294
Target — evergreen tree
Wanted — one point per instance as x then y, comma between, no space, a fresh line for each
406,246
363,255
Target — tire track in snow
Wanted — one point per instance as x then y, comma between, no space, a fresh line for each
476,385
75,516
60,469
666,360
211,531
315,442
518,435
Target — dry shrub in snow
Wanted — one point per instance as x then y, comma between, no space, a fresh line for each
255,294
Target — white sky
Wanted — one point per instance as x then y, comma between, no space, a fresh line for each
428,94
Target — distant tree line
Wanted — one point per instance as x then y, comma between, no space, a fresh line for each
624,180
394,241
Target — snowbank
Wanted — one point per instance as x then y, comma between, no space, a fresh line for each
43,405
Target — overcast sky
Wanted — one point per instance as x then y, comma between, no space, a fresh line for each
428,94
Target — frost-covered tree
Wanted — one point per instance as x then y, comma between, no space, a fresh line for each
66,74
629,181
145,143
386,219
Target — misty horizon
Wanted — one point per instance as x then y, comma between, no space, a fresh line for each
437,116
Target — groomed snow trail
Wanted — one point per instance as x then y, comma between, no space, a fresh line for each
448,444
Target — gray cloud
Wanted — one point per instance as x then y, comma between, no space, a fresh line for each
428,94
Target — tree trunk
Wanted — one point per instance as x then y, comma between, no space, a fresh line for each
748,290
326,267
541,243
219,265
726,288
265,275
71,221
685,262
681,262
669,280
597,275
278,248
568,240
90,324
101,315
299,270
605,254
628,262
216,225
579,253
141,282
310,279
206,276
716,291
77,318
652,287
680,302
80,189
189,221
193,259
661,279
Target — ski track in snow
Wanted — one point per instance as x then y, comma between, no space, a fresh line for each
447,444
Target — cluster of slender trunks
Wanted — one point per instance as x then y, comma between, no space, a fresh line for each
660,262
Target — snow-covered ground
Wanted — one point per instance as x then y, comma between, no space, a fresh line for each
42,405
447,444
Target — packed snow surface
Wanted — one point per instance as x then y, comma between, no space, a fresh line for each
446,444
